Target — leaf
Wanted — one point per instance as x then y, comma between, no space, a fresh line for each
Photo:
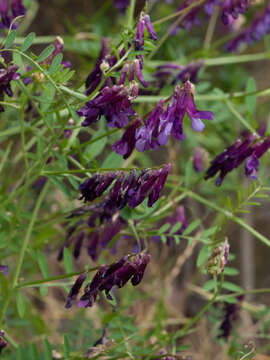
45,53
209,285
250,101
203,256
68,260
192,226
176,227
47,350
60,185
207,233
94,149
47,97
10,39
28,41
232,287
164,228
113,160
20,304
66,347
55,63
231,271
17,58
43,264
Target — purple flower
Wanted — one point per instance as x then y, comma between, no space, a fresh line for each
95,186
3,341
132,68
6,76
92,247
143,22
74,291
117,274
182,102
121,4
153,134
233,8
96,76
126,144
4,269
17,8
159,184
5,18
199,159
251,149
114,103
258,28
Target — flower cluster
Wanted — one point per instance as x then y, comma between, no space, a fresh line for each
131,189
219,258
17,9
174,73
118,274
251,149
163,122
133,69
230,10
143,22
258,28
6,76
114,103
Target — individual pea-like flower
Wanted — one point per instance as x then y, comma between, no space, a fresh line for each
133,68
117,274
126,144
96,76
4,269
74,291
3,341
199,159
251,149
181,103
219,258
144,21
6,76
231,314
259,27
112,102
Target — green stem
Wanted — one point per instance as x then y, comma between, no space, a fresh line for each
240,117
211,28
130,13
228,214
183,331
25,243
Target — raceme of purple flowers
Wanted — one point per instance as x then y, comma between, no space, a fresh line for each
117,274
9,10
249,150
130,189
163,122
230,10
114,103
259,27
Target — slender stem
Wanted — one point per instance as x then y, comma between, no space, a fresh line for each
229,215
183,331
240,117
131,224
130,13
211,28
25,243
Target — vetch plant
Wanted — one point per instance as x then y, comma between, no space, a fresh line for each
113,244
